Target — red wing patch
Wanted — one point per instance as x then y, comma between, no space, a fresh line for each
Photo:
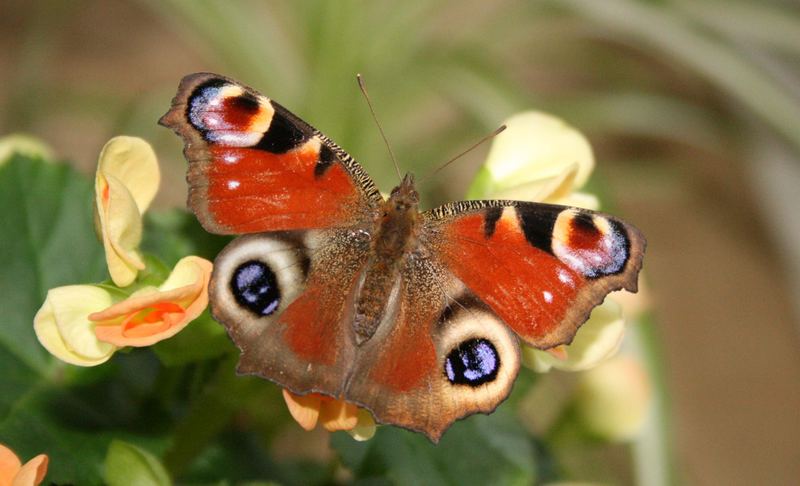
247,190
408,355
313,327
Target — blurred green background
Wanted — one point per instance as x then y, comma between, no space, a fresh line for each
692,107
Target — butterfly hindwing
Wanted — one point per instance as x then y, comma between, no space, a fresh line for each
254,166
541,268
283,300
445,356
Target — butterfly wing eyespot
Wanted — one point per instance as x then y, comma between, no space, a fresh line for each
472,362
255,278
255,287
254,166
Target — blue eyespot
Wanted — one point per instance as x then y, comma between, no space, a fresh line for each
473,362
255,288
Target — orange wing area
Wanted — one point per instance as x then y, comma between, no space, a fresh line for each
407,354
541,268
246,190
313,326
255,167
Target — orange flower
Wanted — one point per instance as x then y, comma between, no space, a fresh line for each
333,414
151,315
14,473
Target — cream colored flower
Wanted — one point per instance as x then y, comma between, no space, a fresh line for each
17,143
613,400
538,158
14,473
80,324
333,414
152,314
126,181
63,327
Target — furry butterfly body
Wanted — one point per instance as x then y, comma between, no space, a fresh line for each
415,316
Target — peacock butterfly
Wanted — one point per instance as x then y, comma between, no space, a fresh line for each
415,316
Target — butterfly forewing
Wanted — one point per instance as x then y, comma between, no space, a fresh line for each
540,267
254,166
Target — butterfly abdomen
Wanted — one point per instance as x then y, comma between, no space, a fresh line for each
395,238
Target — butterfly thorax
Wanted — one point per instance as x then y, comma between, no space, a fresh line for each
394,238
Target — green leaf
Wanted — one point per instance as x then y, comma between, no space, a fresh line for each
482,449
46,212
210,412
128,465
72,417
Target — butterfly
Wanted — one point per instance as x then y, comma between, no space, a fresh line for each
332,289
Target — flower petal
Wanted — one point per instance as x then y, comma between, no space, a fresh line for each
120,227
188,271
338,415
125,183
9,465
64,329
577,200
150,316
132,161
613,400
33,472
365,428
18,143
538,157
304,408
597,340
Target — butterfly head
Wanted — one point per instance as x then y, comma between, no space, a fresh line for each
403,197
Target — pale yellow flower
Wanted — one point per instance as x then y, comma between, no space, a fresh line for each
597,340
80,324
126,181
538,157
18,143
613,400
14,473
63,327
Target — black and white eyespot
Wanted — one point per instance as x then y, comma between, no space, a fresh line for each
255,278
473,362
591,244
255,287
478,352
228,114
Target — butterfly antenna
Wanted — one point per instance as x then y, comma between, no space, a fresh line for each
477,144
363,88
